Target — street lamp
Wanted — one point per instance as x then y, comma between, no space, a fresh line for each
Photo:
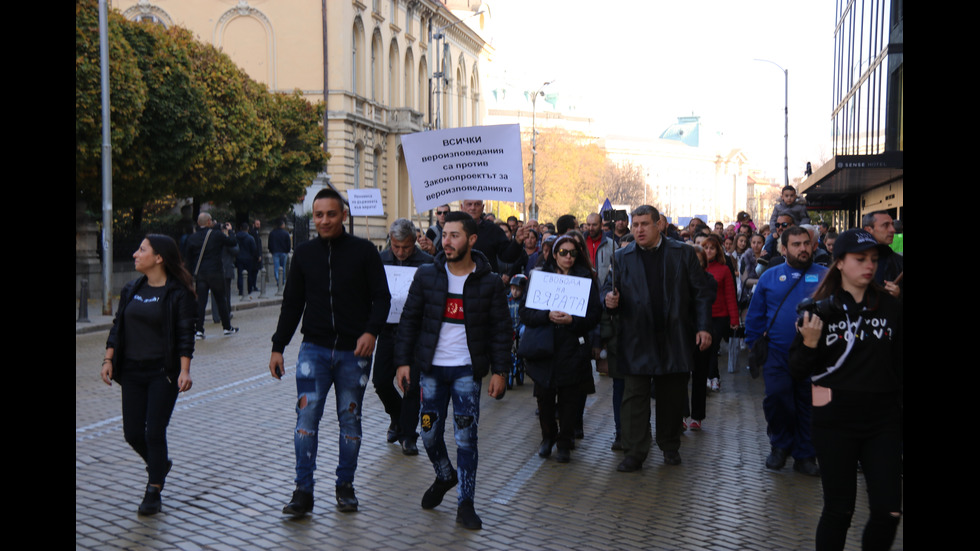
439,36
534,149
786,121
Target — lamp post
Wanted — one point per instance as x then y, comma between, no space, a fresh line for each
534,149
786,120
443,47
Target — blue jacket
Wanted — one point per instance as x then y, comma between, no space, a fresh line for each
769,292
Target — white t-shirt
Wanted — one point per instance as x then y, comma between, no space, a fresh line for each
451,349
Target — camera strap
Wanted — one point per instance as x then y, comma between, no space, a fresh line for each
847,349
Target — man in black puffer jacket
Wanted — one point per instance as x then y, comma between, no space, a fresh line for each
455,327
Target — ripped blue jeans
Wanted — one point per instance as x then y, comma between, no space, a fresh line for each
438,386
317,369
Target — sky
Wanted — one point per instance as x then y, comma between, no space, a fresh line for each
636,66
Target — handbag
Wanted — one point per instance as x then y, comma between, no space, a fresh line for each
537,343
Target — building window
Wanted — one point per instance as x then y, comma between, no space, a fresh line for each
358,153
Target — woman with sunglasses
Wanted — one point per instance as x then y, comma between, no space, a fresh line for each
568,371
850,346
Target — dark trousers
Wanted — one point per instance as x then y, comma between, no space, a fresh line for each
671,395
853,428
404,412
214,283
720,329
148,399
561,431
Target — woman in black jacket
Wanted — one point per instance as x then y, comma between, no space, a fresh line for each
149,352
565,373
850,345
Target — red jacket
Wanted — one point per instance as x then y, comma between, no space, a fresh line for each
725,304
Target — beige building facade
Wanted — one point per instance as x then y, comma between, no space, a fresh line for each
370,61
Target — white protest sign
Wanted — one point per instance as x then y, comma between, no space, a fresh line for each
562,293
399,281
474,162
365,202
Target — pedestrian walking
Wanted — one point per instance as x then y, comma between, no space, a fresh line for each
149,352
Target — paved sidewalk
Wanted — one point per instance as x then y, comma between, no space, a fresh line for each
231,443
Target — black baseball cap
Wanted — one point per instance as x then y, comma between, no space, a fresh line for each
856,241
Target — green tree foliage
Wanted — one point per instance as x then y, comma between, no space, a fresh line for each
127,92
299,128
175,125
187,122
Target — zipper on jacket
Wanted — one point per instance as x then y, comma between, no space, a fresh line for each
333,320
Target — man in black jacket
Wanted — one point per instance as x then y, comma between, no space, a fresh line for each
337,285
455,328
404,412
204,263
663,300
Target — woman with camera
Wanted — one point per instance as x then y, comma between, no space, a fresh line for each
850,345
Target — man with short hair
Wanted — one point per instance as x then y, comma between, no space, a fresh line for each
491,240
455,328
771,249
663,300
338,287
203,261
621,229
279,245
600,247
404,412
890,264
565,223
772,315
432,243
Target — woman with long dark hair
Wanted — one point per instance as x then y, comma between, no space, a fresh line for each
568,371
149,352
850,345
724,311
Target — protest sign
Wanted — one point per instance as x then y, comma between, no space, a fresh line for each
549,291
399,281
474,162
365,202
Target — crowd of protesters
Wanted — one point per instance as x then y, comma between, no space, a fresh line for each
818,314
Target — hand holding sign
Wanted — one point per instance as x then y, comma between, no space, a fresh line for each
562,294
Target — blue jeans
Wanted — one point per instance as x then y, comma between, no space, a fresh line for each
317,370
279,261
437,387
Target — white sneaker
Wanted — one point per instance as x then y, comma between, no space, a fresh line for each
231,331
199,336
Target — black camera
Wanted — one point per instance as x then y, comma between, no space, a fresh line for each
824,308
613,215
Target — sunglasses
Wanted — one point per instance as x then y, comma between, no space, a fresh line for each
782,225
442,212
568,252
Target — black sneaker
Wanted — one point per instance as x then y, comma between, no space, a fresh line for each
231,331
346,500
392,433
151,501
777,458
466,516
301,504
433,496
564,455
807,466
